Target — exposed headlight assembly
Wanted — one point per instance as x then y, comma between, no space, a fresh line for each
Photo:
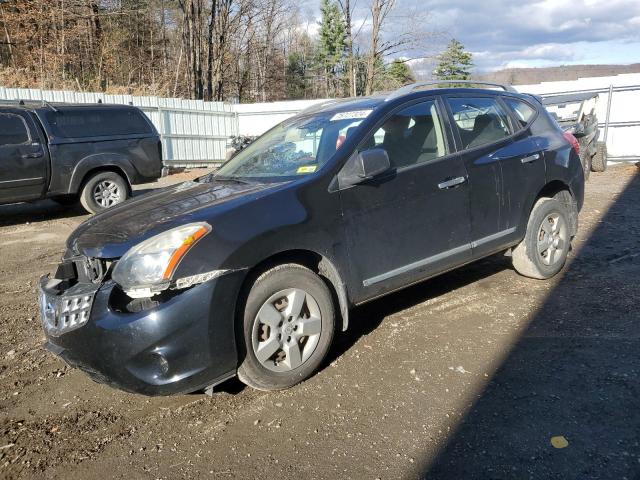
148,268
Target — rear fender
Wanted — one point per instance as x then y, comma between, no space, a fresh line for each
101,161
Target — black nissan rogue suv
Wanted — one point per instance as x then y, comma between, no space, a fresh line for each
250,270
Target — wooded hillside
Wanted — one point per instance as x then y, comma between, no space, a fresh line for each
245,50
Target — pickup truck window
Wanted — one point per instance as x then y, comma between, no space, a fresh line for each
13,130
96,122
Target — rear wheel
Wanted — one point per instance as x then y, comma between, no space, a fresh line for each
287,329
103,190
544,249
599,161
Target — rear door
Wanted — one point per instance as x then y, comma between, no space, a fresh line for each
499,160
413,221
23,163
523,164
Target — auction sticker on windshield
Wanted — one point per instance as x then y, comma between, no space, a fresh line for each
355,115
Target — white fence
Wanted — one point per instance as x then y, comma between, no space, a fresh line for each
193,132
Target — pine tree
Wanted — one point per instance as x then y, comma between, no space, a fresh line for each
331,44
398,74
296,76
454,63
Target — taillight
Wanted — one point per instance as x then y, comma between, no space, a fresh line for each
572,141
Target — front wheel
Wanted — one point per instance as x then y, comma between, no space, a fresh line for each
287,329
103,190
544,249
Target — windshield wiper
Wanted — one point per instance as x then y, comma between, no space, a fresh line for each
231,179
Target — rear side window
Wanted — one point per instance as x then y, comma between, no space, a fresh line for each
13,130
480,121
96,122
524,112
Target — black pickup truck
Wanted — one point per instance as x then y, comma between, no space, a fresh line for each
69,153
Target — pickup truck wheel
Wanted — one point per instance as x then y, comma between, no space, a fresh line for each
103,190
287,329
544,249
599,162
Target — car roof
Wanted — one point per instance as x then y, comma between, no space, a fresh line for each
377,100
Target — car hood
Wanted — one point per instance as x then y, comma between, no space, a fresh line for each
111,233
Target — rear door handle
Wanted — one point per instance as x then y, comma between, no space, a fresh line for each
530,158
452,182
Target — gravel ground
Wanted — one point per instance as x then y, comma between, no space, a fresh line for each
469,375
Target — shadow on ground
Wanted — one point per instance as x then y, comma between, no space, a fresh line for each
575,372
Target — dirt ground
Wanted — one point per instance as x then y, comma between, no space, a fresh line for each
468,375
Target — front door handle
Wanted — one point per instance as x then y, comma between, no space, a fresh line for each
530,158
32,155
452,182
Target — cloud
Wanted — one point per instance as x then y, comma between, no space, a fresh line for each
503,33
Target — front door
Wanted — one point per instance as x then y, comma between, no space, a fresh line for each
413,221
23,168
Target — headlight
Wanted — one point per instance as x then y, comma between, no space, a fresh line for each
148,267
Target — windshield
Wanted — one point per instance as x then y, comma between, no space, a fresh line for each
299,146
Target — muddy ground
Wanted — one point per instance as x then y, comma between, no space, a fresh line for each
468,375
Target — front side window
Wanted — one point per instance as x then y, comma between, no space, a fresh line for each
13,130
480,121
411,136
298,146
523,110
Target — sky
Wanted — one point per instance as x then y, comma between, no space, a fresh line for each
504,34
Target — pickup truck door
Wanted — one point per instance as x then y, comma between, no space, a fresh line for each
23,159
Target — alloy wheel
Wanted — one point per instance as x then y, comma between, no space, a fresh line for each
107,193
286,330
552,238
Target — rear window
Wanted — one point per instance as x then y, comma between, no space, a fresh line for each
523,111
100,122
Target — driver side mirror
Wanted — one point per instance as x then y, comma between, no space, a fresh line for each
364,166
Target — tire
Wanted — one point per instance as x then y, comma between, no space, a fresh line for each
271,334
548,225
599,161
585,160
111,184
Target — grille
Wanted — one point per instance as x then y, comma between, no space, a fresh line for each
65,311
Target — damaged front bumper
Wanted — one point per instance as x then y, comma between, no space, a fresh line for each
183,342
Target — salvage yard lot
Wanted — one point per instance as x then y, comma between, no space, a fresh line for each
468,375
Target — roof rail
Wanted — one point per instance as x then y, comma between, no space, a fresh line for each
410,88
